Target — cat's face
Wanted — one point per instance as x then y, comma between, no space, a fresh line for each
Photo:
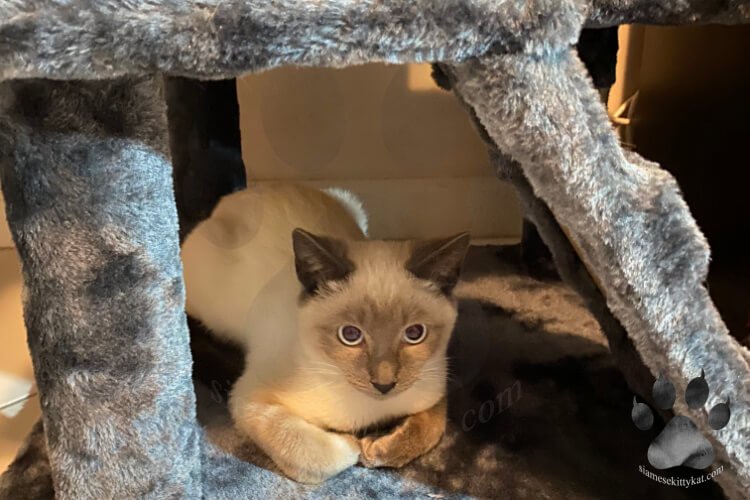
379,313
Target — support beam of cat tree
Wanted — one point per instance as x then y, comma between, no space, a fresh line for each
88,185
626,216
565,256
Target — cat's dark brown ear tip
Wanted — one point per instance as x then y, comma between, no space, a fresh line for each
463,238
460,242
318,259
440,261
298,232
299,235
302,238
305,244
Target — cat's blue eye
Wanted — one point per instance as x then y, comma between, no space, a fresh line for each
350,335
414,334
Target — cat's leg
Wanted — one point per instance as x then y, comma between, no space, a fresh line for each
412,438
303,451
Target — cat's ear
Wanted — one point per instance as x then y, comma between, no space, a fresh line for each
319,259
439,261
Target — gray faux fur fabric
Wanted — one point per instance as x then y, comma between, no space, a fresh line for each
86,175
222,38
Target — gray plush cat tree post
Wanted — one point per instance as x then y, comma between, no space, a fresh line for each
86,175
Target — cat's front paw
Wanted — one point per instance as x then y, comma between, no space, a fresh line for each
415,436
325,459
387,451
377,451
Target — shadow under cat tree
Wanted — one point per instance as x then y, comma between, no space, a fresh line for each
537,408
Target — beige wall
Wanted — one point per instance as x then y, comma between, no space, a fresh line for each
629,58
679,62
385,132
5,240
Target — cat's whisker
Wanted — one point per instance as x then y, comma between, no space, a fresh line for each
322,363
435,378
319,372
319,368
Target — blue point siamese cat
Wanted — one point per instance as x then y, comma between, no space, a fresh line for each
340,332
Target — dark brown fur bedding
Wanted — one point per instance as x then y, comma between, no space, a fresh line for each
536,407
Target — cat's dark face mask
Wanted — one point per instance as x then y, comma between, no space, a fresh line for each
381,312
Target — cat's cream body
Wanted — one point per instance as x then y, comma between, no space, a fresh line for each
240,262
241,283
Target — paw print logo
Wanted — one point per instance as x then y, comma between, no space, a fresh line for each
680,443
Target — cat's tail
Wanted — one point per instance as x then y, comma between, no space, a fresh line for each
352,204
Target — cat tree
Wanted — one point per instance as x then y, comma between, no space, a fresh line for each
87,179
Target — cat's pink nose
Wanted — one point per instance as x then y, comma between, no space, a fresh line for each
384,388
